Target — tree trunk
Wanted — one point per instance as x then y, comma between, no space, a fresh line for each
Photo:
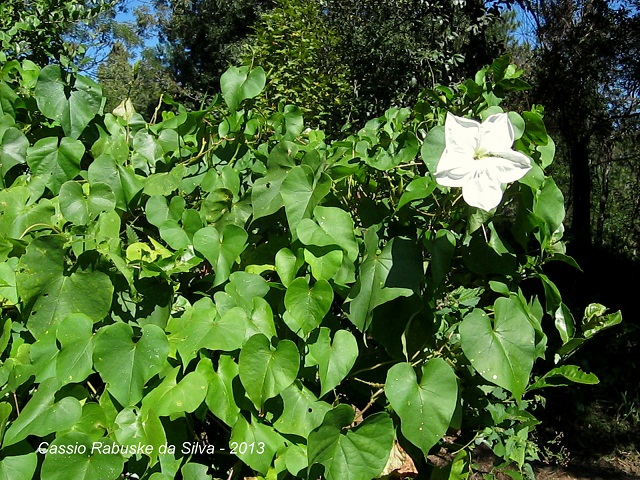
581,193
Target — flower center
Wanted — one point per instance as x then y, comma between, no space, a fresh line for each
479,153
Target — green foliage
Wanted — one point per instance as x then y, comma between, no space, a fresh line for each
37,30
201,38
222,279
295,44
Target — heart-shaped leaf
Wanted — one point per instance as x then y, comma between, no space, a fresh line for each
75,111
135,427
74,362
220,395
88,460
384,276
221,249
334,359
425,408
302,411
359,453
202,327
55,163
173,396
241,83
80,208
126,365
265,371
502,352
306,306
51,293
301,192
123,181
42,415
255,443
18,467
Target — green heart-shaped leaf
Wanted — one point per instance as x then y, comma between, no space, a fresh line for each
81,209
502,352
90,460
334,359
18,467
55,163
255,443
42,415
202,327
51,293
306,306
126,365
241,83
425,409
221,249
171,396
74,362
220,395
302,411
264,371
359,453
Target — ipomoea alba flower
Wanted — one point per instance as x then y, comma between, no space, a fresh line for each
478,157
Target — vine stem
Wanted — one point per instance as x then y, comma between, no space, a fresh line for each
15,400
372,400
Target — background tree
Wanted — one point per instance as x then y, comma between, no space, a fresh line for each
300,54
143,82
46,31
587,77
396,48
201,38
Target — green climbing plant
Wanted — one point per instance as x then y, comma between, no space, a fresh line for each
223,295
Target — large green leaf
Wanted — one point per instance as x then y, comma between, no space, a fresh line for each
80,208
266,371
173,396
502,352
334,359
74,362
55,163
255,443
221,248
384,276
332,226
306,306
19,467
202,327
134,427
425,408
220,395
13,150
302,411
123,181
42,415
126,365
360,453
301,192
50,293
241,83
87,461
74,108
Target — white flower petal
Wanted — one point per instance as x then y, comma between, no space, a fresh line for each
455,173
482,191
496,133
462,135
507,166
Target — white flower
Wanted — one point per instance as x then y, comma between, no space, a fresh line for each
478,157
